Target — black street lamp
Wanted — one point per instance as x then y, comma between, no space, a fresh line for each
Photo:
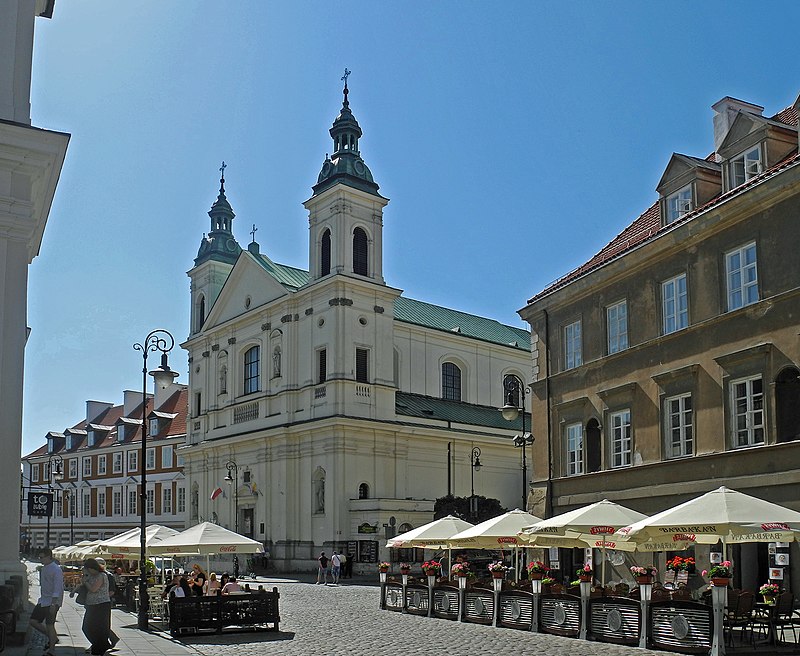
232,478
163,341
475,466
69,493
55,464
515,390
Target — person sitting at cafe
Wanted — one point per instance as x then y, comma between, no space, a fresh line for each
231,586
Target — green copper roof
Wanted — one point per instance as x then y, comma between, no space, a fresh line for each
428,407
290,277
470,325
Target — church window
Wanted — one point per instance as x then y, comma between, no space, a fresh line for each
201,313
322,365
360,251
363,491
325,253
451,382
362,365
251,363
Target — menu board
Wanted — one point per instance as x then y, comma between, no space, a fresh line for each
367,551
352,549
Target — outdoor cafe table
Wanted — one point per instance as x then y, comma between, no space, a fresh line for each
770,613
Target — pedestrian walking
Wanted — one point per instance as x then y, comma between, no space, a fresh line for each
322,572
336,567
51,598
97,618
113,638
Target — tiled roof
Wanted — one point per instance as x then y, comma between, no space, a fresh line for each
421,313
428,407
648,225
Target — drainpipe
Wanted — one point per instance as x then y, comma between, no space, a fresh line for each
449,473
549,499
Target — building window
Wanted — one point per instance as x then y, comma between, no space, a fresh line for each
101,503
617,323
34,473
116,462
198,404
363,491
150,459
120,432
747,400
360,251
322,365
451,382
166,504
679,426
674,304
745,166
201,313
620,424
166,457
151,502
87,467
153,429
573,354
251,362
511,388
117,502
742,276
574,433
133,461
181,500
90,437
325,253
362,365
101,465
679,203
73,468
86,503
132,502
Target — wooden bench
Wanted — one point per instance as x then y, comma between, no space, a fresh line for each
188,615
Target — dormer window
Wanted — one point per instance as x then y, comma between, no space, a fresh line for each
679,203
90,437
745,166
70,443
50,445
121,433
153,426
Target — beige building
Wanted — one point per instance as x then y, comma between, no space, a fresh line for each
668,364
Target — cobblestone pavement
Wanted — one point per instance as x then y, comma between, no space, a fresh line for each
327,620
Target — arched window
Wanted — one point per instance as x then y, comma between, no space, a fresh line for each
360,251
451,382
251,363
201,313
511,389
404,528
325,254
363,491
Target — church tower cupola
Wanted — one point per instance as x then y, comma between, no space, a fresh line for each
345,165
220,244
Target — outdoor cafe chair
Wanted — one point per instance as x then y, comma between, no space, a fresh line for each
739,616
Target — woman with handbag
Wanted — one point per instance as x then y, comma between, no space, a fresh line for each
97,619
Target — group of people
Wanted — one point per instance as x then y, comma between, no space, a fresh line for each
198,583
340,566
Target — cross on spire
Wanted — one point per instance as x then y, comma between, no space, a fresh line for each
345,76
222,170
254,231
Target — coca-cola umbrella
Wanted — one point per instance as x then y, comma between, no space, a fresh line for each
206,539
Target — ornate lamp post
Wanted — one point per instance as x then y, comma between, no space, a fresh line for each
163,341
515,388
475,466
69,494
55,464
232,479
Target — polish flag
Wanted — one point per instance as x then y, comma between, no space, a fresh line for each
216,493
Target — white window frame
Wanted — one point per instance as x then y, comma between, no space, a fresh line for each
133,461
741,276
150,459
747,412
679,204
167,456
86,504
150,507
73,468
674,304
116,505
87,466
101,465
152,429
46,472
181,501
744,166
621,443
102,508
573,351
120,432
132,494
35,473
617,327
166,501
679,426
116,462
573,439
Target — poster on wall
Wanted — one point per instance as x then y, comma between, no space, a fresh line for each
776,573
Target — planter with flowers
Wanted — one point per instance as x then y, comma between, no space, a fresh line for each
585,573
546,583
720,574
537,570
769,591
460,570
405,568
498,570
644,573
432,568
384,567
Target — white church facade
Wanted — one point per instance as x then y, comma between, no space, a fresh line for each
337,405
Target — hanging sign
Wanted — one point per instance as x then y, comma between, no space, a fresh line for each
40,504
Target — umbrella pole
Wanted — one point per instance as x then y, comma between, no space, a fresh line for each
603,568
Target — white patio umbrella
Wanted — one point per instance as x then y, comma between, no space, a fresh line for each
500,531
720,515
434,535
77,551
206,539
129,542
590,525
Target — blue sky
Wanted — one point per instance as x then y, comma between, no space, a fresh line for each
514,140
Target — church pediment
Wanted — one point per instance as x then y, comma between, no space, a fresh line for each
249,286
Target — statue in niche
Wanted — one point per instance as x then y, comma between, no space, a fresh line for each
319,494
276,362
223,379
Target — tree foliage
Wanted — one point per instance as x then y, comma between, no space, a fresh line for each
460,507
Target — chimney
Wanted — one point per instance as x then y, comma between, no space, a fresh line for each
132,400
163,394
96,408
725,111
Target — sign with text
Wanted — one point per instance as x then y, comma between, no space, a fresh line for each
40,504
367,528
